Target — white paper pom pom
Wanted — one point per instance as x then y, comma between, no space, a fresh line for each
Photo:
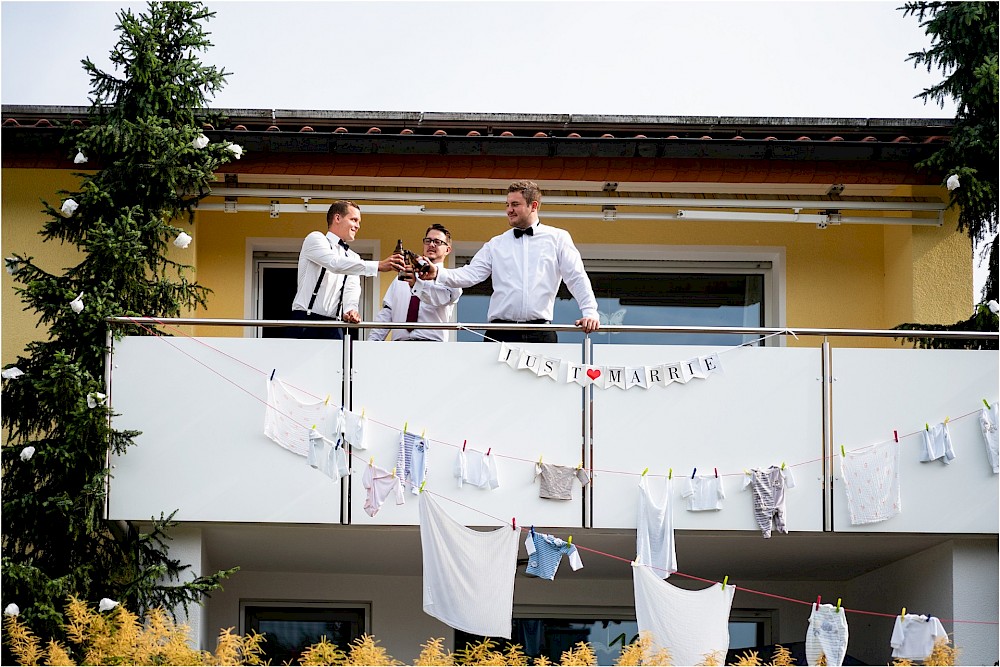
107,604
236,150
69,208
183,240
952,182
11,610
27,453
77,303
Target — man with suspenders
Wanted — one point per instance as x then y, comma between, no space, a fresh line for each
329,283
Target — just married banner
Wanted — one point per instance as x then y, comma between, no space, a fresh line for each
605,377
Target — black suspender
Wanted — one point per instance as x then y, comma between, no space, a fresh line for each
319,283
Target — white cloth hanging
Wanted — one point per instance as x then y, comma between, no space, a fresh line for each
291,413
871,482
988,422
913,636
468,574
654,533
689,624
477,469
827,635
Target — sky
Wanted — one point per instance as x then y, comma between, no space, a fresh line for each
805,59
828,59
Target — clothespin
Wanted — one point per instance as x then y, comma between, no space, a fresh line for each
570,540
362,412
423,434
987,403
539,460
670,473
838,605
464,443
422,486
513,523
725,580
393,471
903,613
842,452
340,443
272,372
314,427
532,531
782,465
716,472
693,472
371,460
488,451
927,426
579,465
947,419
405,424
895,435
327,401
819,600
644,471
928,618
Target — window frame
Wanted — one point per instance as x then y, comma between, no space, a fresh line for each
319,605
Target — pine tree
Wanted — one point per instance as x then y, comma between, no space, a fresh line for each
153,164
964,47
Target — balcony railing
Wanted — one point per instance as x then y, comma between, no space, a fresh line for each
200,404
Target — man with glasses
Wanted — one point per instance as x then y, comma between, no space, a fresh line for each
527,263
411,300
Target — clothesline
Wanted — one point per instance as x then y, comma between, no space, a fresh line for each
741,473
521,528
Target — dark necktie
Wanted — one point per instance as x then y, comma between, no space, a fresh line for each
411,312
518,233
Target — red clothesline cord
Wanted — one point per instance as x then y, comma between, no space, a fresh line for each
478,511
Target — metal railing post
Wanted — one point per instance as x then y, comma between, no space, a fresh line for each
346,396
588,436
828,448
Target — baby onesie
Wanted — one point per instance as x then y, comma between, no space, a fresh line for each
913,636
336,466
356,429
827,635
937,444
411,460
317,445
379,483
545,552
477,469
768,488
988,421
557,481
703,492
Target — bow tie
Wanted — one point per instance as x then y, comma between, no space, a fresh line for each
344,245
518,233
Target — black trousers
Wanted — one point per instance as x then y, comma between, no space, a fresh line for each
521,336
321,333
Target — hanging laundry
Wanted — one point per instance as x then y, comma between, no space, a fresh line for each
379,483
937,444
290,411
871,482
477,469
411,460
557,481
768,487
826,635
689,624
704,492
654,532
317,447
336,466
468,574
988,422
545,553
356,429
913,636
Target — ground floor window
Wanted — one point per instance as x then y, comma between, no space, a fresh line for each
549,634
655,293
289,628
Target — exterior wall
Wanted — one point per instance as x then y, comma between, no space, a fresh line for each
975,588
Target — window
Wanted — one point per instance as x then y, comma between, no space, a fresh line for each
549,632
290,627
654,292
275,282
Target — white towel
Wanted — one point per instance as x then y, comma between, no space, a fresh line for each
689,624
468,574
654,534
290,414
871,481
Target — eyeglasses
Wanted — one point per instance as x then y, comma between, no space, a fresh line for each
437,242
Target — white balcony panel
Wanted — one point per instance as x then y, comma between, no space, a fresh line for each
200,404
765,408
878,391
456,392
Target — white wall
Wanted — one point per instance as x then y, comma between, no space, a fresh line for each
975,588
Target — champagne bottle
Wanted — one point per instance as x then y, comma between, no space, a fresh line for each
399,251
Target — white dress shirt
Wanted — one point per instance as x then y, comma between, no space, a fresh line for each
526,274
437,303
343,268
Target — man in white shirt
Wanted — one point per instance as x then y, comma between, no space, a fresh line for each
329,283
424,301
527,263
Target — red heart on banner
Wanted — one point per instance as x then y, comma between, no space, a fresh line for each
593,373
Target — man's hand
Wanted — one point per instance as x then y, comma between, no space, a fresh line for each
588,324
431,272
391,263
352,316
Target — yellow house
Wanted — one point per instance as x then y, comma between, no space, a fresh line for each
728,229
